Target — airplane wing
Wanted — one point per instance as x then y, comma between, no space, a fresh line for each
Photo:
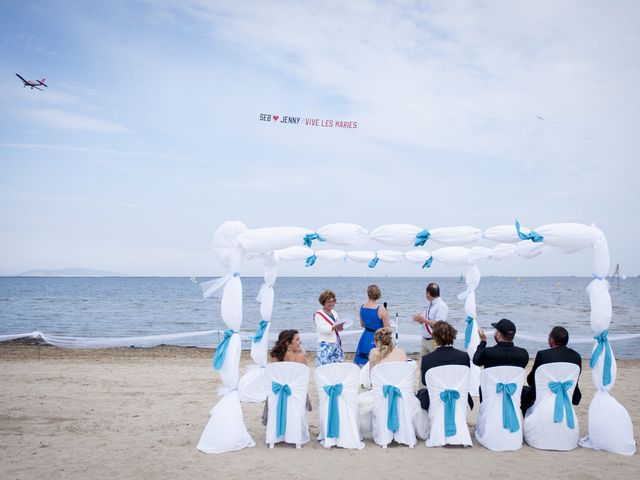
33,86
21,78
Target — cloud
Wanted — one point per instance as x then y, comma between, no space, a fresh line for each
59,119
459,76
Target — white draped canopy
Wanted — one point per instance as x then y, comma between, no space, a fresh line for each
610,426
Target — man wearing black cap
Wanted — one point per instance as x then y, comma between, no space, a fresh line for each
504,352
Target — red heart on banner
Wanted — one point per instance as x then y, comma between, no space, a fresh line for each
276,117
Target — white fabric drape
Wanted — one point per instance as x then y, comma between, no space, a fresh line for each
472,279
344,233
455,235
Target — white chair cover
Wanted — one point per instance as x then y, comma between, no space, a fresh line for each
347,374
401,375
296,375
490,430
540,430
438,379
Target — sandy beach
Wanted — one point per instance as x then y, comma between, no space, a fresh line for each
138,413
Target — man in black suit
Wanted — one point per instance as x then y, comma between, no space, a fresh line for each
504,352
443,334
559,352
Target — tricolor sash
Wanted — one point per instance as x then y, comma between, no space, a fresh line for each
331,321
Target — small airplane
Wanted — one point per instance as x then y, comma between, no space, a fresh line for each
32,83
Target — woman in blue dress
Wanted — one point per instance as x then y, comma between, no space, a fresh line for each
372,317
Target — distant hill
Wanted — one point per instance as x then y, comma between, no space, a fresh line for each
70,272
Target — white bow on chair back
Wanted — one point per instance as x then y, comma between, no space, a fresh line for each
499,425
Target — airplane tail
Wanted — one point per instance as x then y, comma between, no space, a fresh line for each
42,82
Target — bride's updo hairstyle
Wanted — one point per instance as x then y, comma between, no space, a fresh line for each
384,341
284,340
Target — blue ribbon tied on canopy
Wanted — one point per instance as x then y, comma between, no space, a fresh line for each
333,418
428,263
603,345
563,404
449,398
535,237
221,351
468,331
262,327
283,392
310,237
374,262
392,394
311,260
421,238
509,417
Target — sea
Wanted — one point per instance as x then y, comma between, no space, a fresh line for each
139,306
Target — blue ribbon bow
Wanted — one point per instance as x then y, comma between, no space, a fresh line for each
221,351
468,331
509,417
562,400
283,392
535,237
392,393
333,420
311,260
603,345
262,327
310,237
449,398
421,238
374,262
428,263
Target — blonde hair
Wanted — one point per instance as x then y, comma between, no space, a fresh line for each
373,292
383,339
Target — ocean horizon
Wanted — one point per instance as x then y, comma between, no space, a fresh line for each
125,306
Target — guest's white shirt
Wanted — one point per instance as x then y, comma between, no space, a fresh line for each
435,310
323,329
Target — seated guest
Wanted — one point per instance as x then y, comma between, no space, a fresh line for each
443,335
372,317
559,352
504,353
383,352
287,349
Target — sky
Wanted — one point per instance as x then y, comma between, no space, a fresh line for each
149,135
